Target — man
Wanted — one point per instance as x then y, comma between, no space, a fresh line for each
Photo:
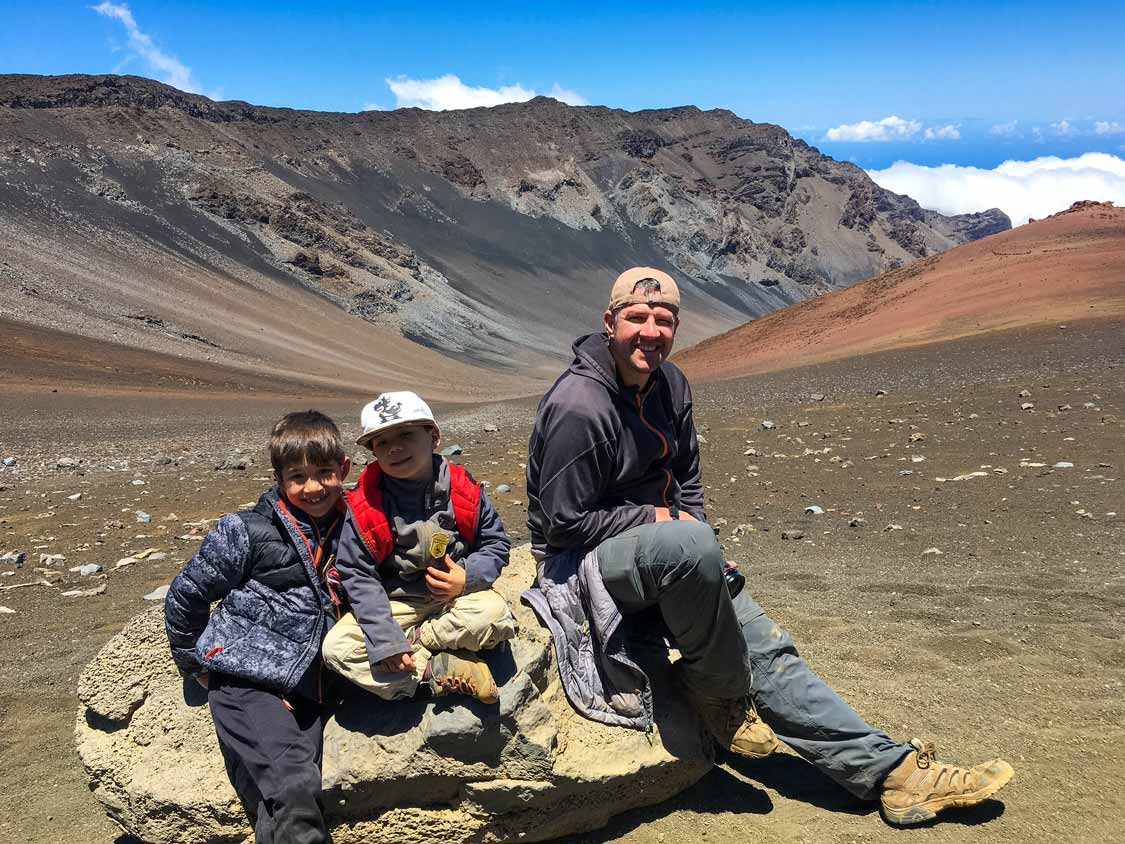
615,508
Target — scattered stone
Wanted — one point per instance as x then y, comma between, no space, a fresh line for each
767,425
66,463
491,429
136,482
932,552
89,569
880,392
1063,464
142,516
1064,407
892,527
1027,406
51,559
83,593
857,522
9,461
814,510
751,452
17,557
905,472
792,534
233,463
157,594
503,488
1025,394
76,497
917,437
917,458
452,451
817,397
6,610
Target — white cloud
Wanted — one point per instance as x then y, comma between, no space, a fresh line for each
891,128
1022,189
1005,129
449,92
166,67
1063,127
1108,127
951,132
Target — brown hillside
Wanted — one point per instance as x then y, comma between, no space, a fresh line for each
1068,267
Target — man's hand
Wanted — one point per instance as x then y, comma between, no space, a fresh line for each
398,662
446,584
203,678
663,514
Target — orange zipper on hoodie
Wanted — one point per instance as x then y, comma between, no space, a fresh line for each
641,396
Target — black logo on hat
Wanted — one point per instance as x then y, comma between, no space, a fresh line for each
387,412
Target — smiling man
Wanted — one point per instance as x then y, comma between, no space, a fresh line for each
618,529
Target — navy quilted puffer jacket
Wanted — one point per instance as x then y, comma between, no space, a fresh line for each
273,611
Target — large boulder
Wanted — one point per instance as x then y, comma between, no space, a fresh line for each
450,769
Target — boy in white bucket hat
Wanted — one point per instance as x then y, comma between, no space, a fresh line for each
417,559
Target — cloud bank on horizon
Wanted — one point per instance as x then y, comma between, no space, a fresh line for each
1021,189
448,92
166,67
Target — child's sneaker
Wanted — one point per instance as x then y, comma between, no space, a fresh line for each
461,672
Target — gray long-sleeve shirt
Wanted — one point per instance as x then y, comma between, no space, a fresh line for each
370,586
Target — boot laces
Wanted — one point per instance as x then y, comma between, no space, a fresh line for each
927,752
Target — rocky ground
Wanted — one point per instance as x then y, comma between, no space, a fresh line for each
963,582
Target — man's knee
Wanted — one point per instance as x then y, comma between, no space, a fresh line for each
692,545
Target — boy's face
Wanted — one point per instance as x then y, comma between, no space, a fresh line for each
404,452
314,487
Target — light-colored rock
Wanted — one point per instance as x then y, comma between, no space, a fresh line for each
449,770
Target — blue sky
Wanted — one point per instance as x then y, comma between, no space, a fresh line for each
969,84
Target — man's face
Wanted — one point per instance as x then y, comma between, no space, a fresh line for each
640,339
404,452
314,487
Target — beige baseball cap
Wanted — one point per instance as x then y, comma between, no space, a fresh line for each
668,293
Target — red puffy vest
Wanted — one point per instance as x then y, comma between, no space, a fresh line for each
366,502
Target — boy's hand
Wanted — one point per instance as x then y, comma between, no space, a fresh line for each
445,584
398,662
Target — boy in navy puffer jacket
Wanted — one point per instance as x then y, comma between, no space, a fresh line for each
272,568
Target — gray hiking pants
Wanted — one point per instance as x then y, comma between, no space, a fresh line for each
677,566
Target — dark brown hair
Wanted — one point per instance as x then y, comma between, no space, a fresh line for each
307,436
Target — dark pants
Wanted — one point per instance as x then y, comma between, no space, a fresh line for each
677,566
273,759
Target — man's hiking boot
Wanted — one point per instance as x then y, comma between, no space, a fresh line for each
919,788
463,673
733,722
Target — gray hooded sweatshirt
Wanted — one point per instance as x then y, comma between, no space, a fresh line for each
602,457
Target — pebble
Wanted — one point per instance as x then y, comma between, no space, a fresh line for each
1025,394
917,437
905,472
66,463
17,557
880,392
932,552
767,425
857,522
89,569
814,510
893,527
157,594
490,429
142,516
751,452
452,451
503,488
9,461
817,397
1063,464
137,482
51,559
6,610
234,463
83,593
76,497
792,534
1027,406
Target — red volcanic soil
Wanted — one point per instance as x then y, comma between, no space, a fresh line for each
1065,268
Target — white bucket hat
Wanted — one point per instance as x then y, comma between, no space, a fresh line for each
391,409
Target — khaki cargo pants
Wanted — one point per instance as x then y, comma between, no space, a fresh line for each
470,622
